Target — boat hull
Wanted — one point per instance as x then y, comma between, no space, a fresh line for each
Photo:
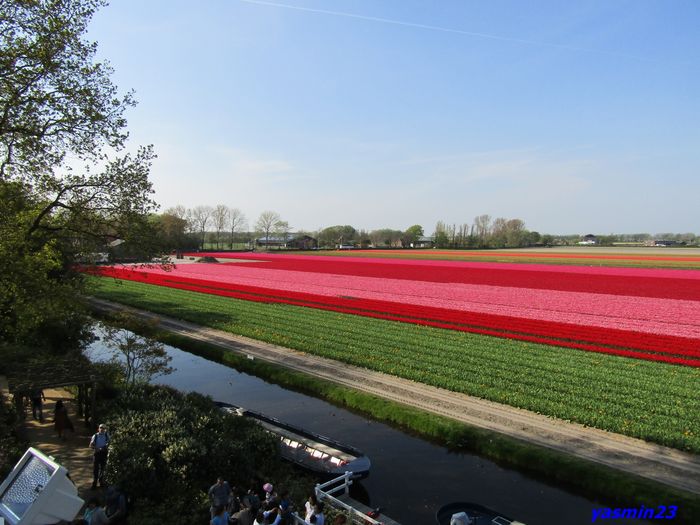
314,452
478,513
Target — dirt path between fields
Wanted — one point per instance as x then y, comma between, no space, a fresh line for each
665,465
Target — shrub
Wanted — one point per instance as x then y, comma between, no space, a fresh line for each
168,448
11,445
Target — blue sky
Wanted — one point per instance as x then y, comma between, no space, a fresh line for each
577,117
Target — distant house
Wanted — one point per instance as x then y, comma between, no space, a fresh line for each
588,239
303,242
423,242
272,242
290,241
665,242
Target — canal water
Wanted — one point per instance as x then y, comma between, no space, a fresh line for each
410,477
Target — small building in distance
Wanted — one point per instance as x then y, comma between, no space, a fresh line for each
289,241
664,242
303,242
588,240
271,242
423,242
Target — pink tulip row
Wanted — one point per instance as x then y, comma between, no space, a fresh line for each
640,314
641,273
655,328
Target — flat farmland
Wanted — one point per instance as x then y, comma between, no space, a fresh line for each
614,348
636,257
643,313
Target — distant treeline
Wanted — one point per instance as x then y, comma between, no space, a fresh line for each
223,227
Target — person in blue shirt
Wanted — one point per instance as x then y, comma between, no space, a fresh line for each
221,516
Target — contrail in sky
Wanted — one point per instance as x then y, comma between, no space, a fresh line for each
445,29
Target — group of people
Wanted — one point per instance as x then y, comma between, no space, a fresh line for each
251,507
61,421
112,512
114,509
99,442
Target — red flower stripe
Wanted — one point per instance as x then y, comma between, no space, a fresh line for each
532,255
654,273
669,349
668,288
649,315
636,282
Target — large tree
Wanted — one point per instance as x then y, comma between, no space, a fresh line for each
412,234
386,237
220,217
336,235
173,230
441,236
267,223
200,216
57,102
237,222
482,225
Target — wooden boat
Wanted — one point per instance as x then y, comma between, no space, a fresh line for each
314,452
465,513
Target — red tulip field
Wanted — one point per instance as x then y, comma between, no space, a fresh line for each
643,313
614,348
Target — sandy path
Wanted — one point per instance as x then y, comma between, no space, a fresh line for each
72,452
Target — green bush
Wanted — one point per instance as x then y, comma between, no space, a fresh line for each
168,448
11,445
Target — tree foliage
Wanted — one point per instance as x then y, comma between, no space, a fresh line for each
220,217
54,98
168,448
172,231
336,235
65,187
412,234
37,295
485,232
386,237
57,103
267,223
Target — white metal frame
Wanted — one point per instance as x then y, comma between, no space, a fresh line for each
326,492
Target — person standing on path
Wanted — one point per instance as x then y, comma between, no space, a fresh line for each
61,421
100,445
37,396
